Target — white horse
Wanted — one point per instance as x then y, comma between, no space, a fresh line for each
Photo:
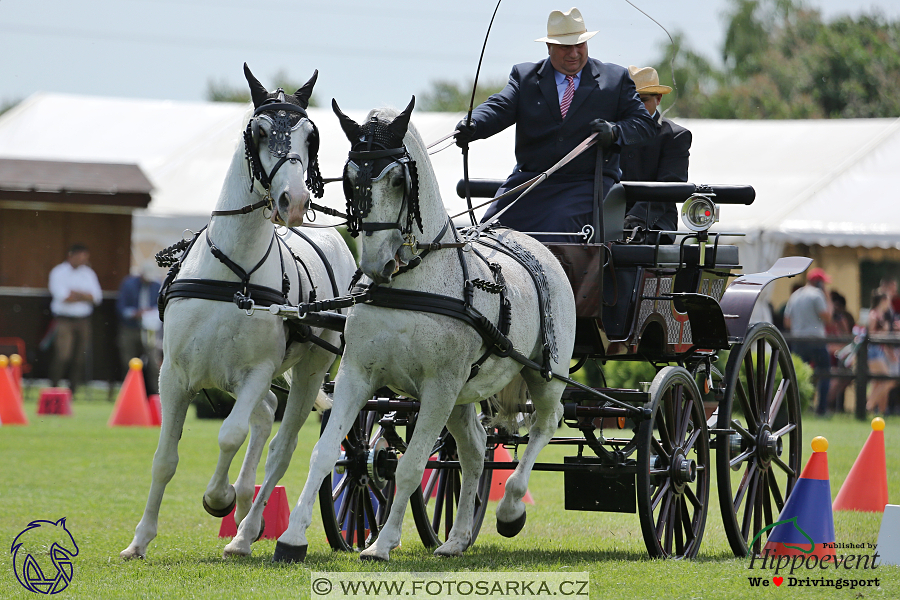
212,343
429,356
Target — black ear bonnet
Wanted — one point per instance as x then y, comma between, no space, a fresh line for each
284,112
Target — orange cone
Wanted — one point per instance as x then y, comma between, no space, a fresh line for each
11,412
498,481
131,406
865,488
15,367
276,515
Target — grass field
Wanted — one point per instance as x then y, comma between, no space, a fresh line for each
98,477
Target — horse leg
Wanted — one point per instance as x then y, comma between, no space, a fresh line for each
434,411
175,401
299,405
220,496
261,420
350,395
547,412
471,439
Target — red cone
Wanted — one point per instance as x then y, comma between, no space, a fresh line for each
498,481
865,488
132,407
15,366
276,514
155,410
11,412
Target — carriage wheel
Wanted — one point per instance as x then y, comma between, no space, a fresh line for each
673,475
356,498
436,502
757,465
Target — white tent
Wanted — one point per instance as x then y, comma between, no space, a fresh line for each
818,182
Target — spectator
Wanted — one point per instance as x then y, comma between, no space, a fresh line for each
883,359
806,315
842,323
75,291
139,323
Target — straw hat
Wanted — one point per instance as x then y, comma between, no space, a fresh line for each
566,28
646,80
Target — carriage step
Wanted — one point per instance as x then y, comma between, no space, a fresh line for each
596,492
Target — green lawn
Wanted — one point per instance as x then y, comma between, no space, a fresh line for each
98,477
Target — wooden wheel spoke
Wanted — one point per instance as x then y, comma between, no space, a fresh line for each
677,525
660,450
695,435
758,505
339,488
379,496
374,529
741,458
776,492
742,487
744,399
664,438
448,502
428,490
772,411
670,526
439,503
660,493
784,467
345,507
686,412
750,504
785,430
760,375
743,432
752,395
766,496
361,519
663,516
692,498
771,372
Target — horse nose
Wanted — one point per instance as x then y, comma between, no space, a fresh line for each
293,209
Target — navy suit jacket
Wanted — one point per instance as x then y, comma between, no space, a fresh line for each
664,158
128,301
543,137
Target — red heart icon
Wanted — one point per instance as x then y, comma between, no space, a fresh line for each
778,580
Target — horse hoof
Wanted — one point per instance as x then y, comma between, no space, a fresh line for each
287,553
511,528
262,529
372,557
220,512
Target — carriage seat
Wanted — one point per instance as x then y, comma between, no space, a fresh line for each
625,255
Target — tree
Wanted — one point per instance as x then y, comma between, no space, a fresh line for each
222,91
449,96
783,62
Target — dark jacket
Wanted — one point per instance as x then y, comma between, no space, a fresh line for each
530,100
664,158
128,302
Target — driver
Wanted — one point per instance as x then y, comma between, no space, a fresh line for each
556,103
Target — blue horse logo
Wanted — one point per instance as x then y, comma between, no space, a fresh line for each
42,556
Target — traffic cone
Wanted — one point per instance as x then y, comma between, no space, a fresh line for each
865,488
15,366
276,515
498,481
807,516
131,405
155,410
11,412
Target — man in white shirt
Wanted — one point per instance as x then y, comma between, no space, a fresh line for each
75,290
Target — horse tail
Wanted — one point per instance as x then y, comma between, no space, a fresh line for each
323,402
508,406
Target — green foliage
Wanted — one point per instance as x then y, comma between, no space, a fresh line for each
804,383
222,91
449,96
783,62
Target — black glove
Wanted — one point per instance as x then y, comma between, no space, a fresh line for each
464,134
608,132
635,229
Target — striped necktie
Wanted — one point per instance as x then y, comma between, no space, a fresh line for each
566,101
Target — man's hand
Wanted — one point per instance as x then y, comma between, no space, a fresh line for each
464,134
634,229
607,132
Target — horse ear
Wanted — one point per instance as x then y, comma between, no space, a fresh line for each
401,123
304,93
258,91
350,127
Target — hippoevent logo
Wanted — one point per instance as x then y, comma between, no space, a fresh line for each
42,556
813,567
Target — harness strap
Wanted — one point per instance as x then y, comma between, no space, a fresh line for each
236,268
249,208
321,253
224,291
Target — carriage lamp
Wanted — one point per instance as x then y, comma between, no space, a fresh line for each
698,213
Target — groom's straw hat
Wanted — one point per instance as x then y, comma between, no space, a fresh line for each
566,28
646,80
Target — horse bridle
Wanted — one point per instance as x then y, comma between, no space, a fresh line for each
279,147
359,195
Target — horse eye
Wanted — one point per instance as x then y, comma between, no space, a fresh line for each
397,181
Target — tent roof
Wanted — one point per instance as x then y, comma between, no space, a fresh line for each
817,181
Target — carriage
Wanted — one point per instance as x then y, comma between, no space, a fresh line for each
646,450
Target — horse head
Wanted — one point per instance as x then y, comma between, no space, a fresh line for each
280,125
381,185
